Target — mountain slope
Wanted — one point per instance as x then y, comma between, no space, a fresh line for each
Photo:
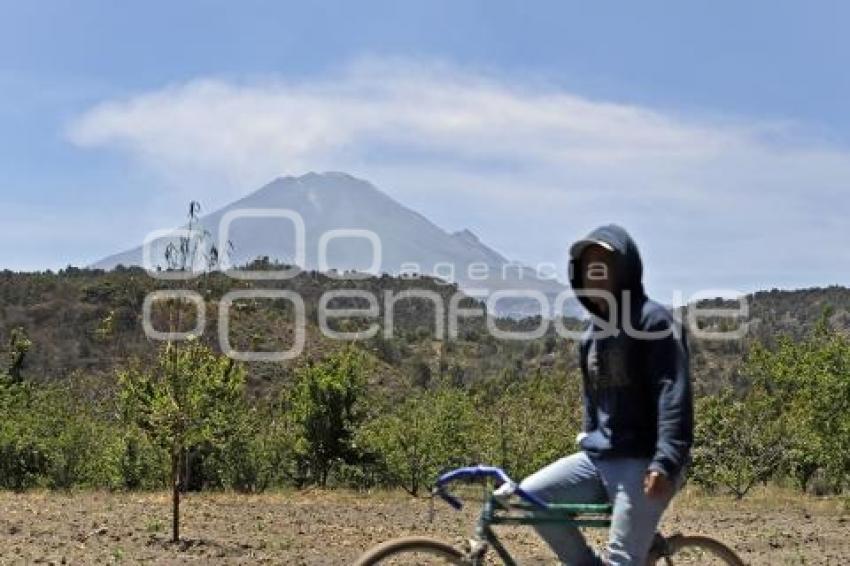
409,242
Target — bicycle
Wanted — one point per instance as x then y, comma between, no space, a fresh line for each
515,506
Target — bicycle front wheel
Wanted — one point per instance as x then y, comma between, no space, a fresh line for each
682,549
412,551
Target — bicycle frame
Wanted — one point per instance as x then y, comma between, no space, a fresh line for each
495,513
531,510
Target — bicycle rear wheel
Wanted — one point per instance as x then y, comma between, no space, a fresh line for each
682,549
412,551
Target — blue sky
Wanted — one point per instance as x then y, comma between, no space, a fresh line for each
733,147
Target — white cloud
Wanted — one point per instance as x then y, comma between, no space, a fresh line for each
733,199
261,129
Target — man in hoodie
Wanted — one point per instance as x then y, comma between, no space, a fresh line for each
638,408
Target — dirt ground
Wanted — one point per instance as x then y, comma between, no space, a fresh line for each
333,527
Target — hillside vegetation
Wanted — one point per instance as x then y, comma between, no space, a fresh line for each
87,400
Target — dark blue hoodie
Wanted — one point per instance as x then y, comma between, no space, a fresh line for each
637,389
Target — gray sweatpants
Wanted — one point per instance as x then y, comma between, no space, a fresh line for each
580,479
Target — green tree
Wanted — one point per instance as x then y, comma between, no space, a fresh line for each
23,455
186,399
738,442
529,423
19,346
251,454
809,383
324,407
415,439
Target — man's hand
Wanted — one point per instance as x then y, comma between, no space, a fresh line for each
656,484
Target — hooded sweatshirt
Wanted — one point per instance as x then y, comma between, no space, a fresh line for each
635,366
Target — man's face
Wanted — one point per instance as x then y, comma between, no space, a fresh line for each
597,269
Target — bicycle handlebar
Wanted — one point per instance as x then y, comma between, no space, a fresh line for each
448,497
476,472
